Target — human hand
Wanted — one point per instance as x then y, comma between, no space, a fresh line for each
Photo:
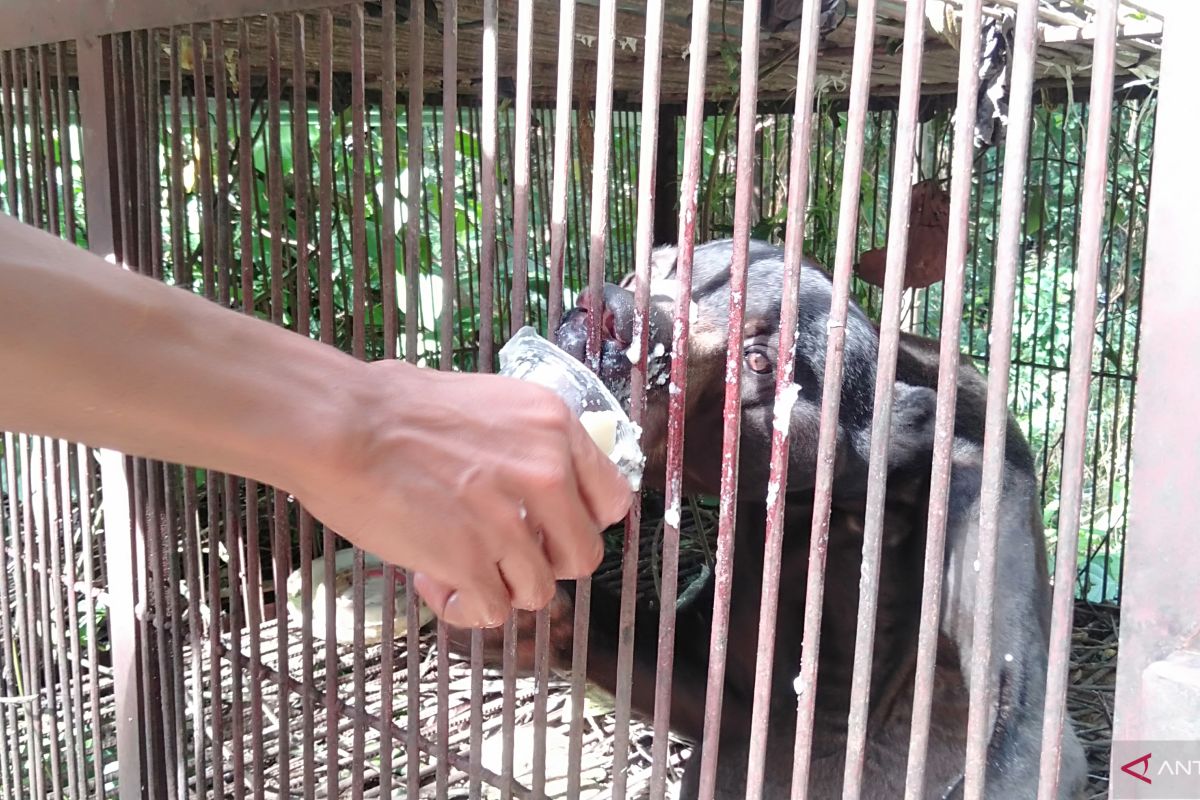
486,486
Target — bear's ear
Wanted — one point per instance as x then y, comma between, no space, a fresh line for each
914,410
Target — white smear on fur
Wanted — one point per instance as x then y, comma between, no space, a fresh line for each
977,565
693,313
784,404
1008,656
659,350
634,353
671,517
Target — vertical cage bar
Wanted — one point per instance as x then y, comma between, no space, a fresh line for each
1008,243
387,249
449,219
281,545
224,221
94,58
732,404
947,396
14,447
10,752
203,148
37,552
412,270
63,579
154,607
677,394
28,211
848,213
487,256
84,476
647,160
303,177
46,140
37,184
517,301
12,183
387,282
29,652
64,143
325,305
412,250
521,166
908,131
1075,431
598,228
558,246
487,279
798,187
358,235
254,608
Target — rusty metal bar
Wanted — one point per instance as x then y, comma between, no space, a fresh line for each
36,140
558,247
517,303
203,139
1008,256
325,304
154,610
6,138
412,249
677,395
224,219
798,186
220,491
10,753
732,404
412,270
647,157
1079,383
12,606
598,229
29,621
303,320
486,332
96,108
846,251
66,620
359,261
449,290
487,268
521,167
36,554
947,397
45,140
387,282
280,533
250,540
86,485
908,129
28,210
1156,690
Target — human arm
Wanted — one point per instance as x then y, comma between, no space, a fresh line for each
395,458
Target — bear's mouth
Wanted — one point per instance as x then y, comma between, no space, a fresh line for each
618,350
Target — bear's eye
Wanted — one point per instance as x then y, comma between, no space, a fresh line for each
758,360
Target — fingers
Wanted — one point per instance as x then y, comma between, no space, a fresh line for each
605,492
570,537
527,575
481,602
